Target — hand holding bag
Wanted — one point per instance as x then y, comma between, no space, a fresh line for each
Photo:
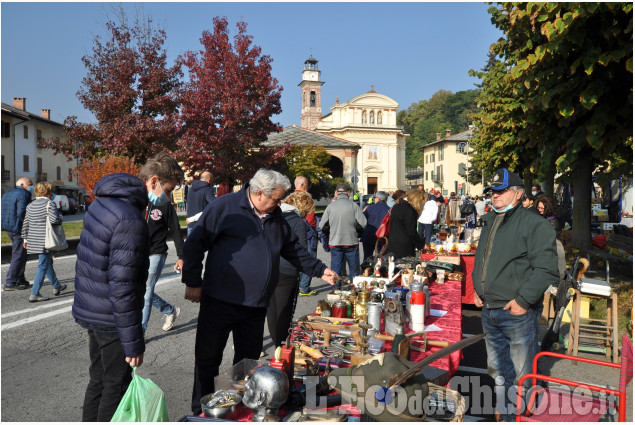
143,401
55,239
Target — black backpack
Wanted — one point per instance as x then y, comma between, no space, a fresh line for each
467,208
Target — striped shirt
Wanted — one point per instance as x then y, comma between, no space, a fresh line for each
34,227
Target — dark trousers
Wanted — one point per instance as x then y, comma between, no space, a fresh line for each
18,259
216,319
110,376
282,307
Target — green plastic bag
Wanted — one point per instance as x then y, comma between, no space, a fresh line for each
144,401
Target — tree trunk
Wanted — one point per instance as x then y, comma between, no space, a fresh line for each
582,185
548,183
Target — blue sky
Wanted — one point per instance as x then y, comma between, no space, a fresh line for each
408,51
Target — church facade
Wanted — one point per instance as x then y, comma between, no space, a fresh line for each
370,121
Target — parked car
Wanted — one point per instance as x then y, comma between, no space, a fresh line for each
61,201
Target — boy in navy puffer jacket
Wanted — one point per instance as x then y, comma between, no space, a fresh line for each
110,275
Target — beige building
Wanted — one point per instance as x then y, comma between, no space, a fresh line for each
446,165
21,154
370,121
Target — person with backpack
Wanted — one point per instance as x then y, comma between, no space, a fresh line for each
468,211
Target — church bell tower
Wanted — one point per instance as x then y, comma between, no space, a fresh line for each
311,88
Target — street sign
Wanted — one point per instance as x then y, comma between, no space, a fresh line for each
354,172
354,179
460,185
177,194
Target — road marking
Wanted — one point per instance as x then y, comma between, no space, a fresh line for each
46,306
56,259
34,318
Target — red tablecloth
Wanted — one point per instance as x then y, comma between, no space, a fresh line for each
443,297
467,263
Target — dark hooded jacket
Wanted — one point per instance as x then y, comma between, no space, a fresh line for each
112,261
199,195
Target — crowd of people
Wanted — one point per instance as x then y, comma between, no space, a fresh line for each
123,249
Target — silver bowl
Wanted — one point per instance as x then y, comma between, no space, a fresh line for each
220,412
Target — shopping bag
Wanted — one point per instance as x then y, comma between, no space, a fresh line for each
55,239
384,227
144,401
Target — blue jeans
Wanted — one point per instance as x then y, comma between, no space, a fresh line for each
305,279
157,261
338,254
18,260
428,231
44,267
511,342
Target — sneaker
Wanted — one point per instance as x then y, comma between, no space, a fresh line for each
57,291
307,294
263,354
170,318
17,286
37,298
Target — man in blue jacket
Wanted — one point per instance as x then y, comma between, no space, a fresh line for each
199,195
244,235
110,277
13,211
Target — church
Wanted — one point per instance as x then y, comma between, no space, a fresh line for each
362,135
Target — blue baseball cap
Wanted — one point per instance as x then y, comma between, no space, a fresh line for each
503,179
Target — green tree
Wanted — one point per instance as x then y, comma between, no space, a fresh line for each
561,97
307,161
423,120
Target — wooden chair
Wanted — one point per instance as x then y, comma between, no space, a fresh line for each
561,405
604,334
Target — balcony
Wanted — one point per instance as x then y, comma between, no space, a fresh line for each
6,175
437,178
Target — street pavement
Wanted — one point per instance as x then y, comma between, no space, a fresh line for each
45,360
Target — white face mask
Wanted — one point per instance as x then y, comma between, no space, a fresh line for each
534,193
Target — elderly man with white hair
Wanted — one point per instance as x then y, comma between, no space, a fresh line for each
244,235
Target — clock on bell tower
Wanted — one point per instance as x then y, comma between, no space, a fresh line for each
311,89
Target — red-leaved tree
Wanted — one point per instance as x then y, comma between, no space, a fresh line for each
91,170
226,106
132,93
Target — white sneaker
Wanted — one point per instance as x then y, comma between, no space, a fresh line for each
170,318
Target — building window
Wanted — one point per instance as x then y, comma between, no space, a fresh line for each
439,174
363,117
461,169
59,173
440,150
38,133
39,165
426,159
379,118
6,129
426,176
372,117
431,157
26,131
312,98
70,174
460,147
25,162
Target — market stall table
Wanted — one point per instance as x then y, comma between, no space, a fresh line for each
444,297
467,264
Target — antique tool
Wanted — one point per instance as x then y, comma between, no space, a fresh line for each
426,341
313,352
326,334
393,316
459,345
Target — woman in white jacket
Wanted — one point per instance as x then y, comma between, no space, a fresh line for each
429,216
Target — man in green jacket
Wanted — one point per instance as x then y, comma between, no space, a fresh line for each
516,261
